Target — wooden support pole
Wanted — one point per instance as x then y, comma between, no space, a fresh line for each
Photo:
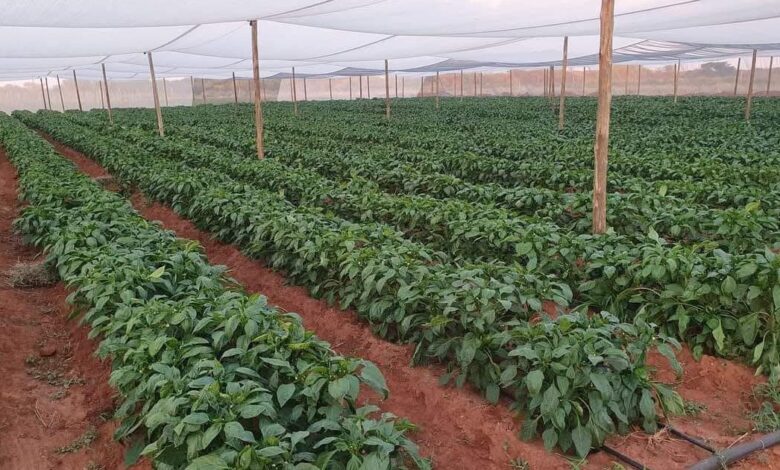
583,81
461,84
396,85
360,94
165,91
59,88
638,80
100,87
769,77
511,85
305,91
387,91
749,102
628,72
192,87
601,147
437,90
235,89
481,94
108,96
294,92
552,81
203,89
676,72
43,93
475,84
156,97
422,87
78,93
48,93
259,142
330,88
544,82
403,87
564,64
368,86
350,88
736,77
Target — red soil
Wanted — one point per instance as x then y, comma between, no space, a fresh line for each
39,415
458,429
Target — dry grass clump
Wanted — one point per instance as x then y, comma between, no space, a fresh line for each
36,274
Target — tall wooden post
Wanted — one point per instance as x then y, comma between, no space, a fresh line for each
583,81
43,93
258,93
749,102
552,81
350,88
360,89
192,87
437,90
736,77
78,93
165,91
628,72
108,96
396,85
422,87
156,97
481,94
461,84
235,89
203,89
769,77
48,93
330,88
368,86
475,84
562,106
59,88
676,72
387,92
403,87
294,92
544,82
601,147
305,91
102,104
638,80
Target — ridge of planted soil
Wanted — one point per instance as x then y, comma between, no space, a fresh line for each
54,389
458,428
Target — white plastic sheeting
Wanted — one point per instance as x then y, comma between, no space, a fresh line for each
210,38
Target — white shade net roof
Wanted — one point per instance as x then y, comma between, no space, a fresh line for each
211,39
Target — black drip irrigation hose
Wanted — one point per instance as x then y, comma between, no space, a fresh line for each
721,459
693,440
633,463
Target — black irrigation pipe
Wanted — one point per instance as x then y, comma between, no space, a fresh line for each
721,459
624,458
693,440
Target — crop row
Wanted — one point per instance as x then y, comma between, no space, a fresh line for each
577,378
718,302
215,376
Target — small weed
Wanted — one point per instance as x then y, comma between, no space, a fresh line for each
615,466
59,394
767,418
693,408
38,274
519,463
82,442
32,360
94,466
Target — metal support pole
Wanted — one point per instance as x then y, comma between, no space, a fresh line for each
78,93
108,96
601,147
156,97
258,93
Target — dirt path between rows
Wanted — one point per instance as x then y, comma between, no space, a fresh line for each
55,401
459,430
